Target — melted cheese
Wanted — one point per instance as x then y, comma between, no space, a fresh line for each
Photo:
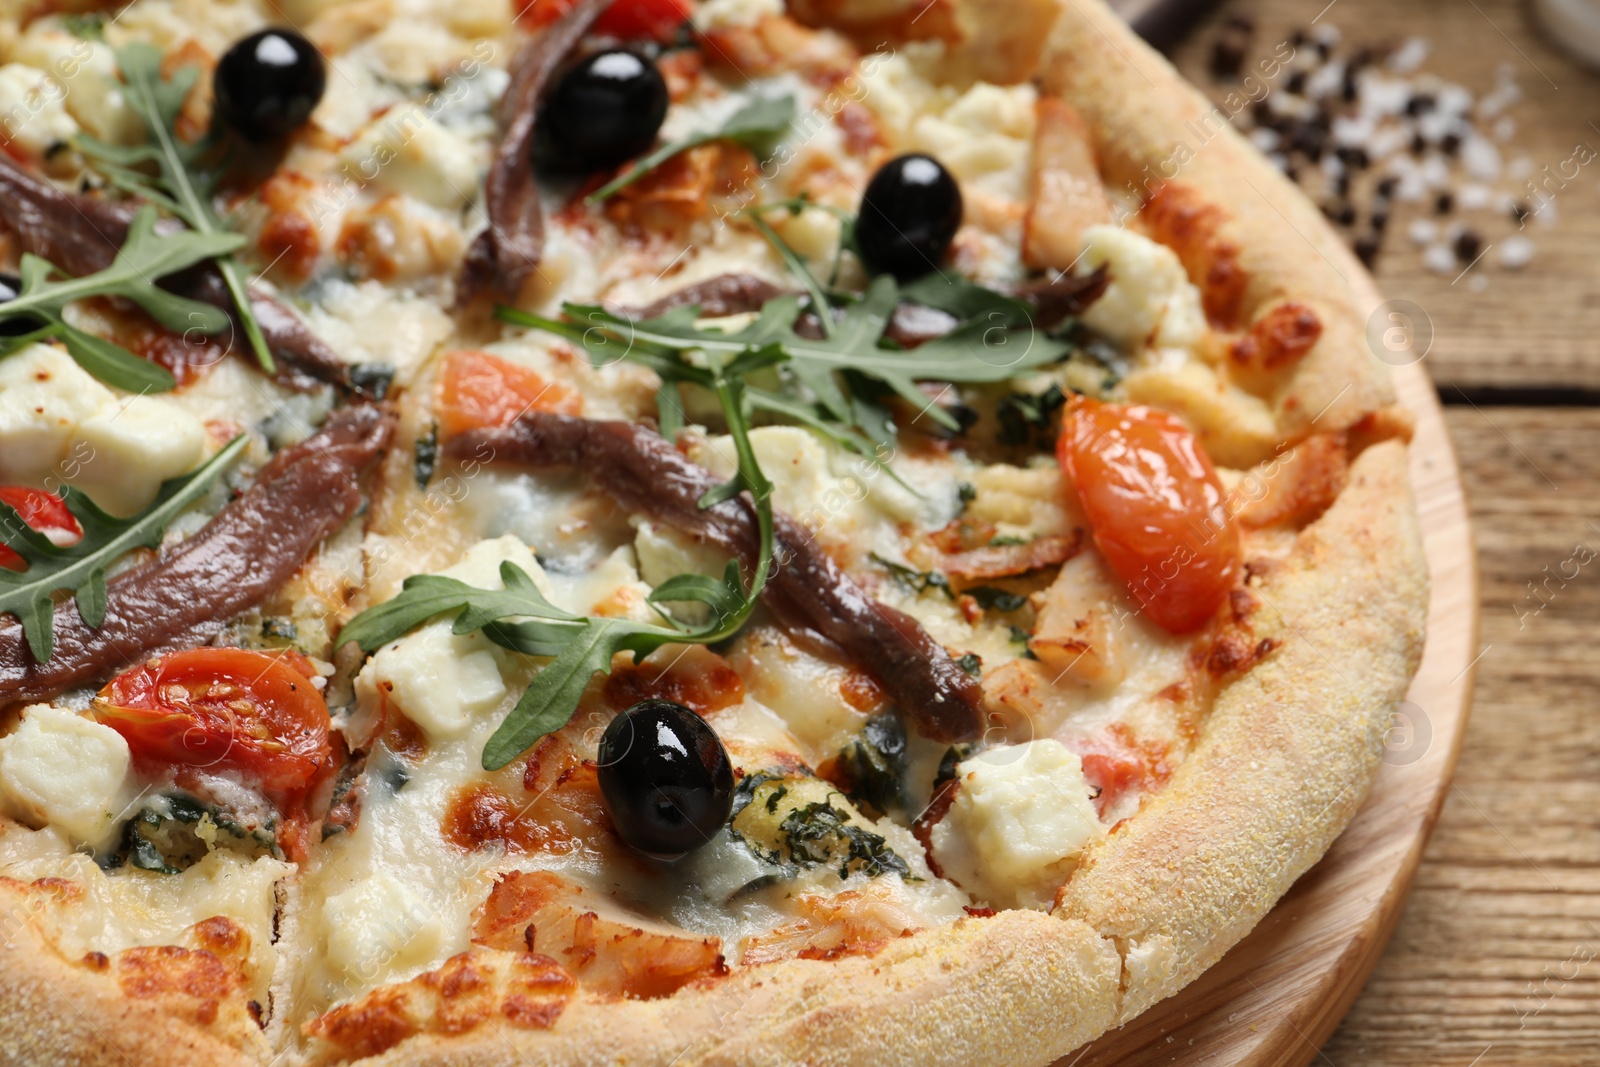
1150,300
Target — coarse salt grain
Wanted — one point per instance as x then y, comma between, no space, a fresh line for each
1325,80
1436,172
1353,131
1265,138
1505,128
1478,283
1439,259
1422,231
1516,252
1473,197
1481,158
1409,56
1521,167
1455,99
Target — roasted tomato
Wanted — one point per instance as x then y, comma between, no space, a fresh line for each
1155,506
629,19
256,713
478,389
42,511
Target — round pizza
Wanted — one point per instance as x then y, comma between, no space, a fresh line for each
662,532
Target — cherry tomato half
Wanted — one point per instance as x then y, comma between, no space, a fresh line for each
42,511
1155,506
629,19
226,709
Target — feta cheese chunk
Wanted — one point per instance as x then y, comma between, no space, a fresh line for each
131,446
379,928
407,152
439,680
43,397
33,111
1150,300
61,769
1021,817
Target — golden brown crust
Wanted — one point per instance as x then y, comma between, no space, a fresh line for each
1158,137
145,1005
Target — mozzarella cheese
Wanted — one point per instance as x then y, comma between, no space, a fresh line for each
87,72
1021,815
62,769
1150,301
439,680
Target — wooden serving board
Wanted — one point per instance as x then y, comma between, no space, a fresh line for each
1274,999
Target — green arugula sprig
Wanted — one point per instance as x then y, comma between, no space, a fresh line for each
983,349
520,618
81,568
182,181
144,257
756,125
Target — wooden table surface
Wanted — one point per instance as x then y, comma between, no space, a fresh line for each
1497,958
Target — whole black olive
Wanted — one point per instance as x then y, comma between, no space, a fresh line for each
909,214
10,289
665,777
269,83
606,110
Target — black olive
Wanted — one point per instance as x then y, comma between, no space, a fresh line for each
10,289
665,777
909,214
269,83
605,110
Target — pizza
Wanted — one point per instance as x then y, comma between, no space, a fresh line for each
662,531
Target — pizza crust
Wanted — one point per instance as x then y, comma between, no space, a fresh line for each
1286,759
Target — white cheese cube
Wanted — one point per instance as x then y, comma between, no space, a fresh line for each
407,152
439,680
480,564
43,397
379,928
87,71
33,113
1150,300
1021,816
130,447
61,769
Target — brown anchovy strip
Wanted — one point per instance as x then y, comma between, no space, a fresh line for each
81,235
1063,296
807,592
511,246
185,596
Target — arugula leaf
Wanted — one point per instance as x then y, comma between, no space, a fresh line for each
81,568
143,258
976,351
183,185
756,126
519,617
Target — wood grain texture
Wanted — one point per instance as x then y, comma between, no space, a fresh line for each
1283,989
1533,328
1498,954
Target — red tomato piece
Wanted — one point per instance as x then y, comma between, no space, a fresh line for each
44,512
629,19
478,389
1155,506
225,709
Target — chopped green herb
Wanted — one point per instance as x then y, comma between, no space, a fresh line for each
910,577
990,598
81,568
1022,637
821,834
757,126
873,765
968,493
1027,418
373,379
774,797
276,627
426,453
972,663
88,25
